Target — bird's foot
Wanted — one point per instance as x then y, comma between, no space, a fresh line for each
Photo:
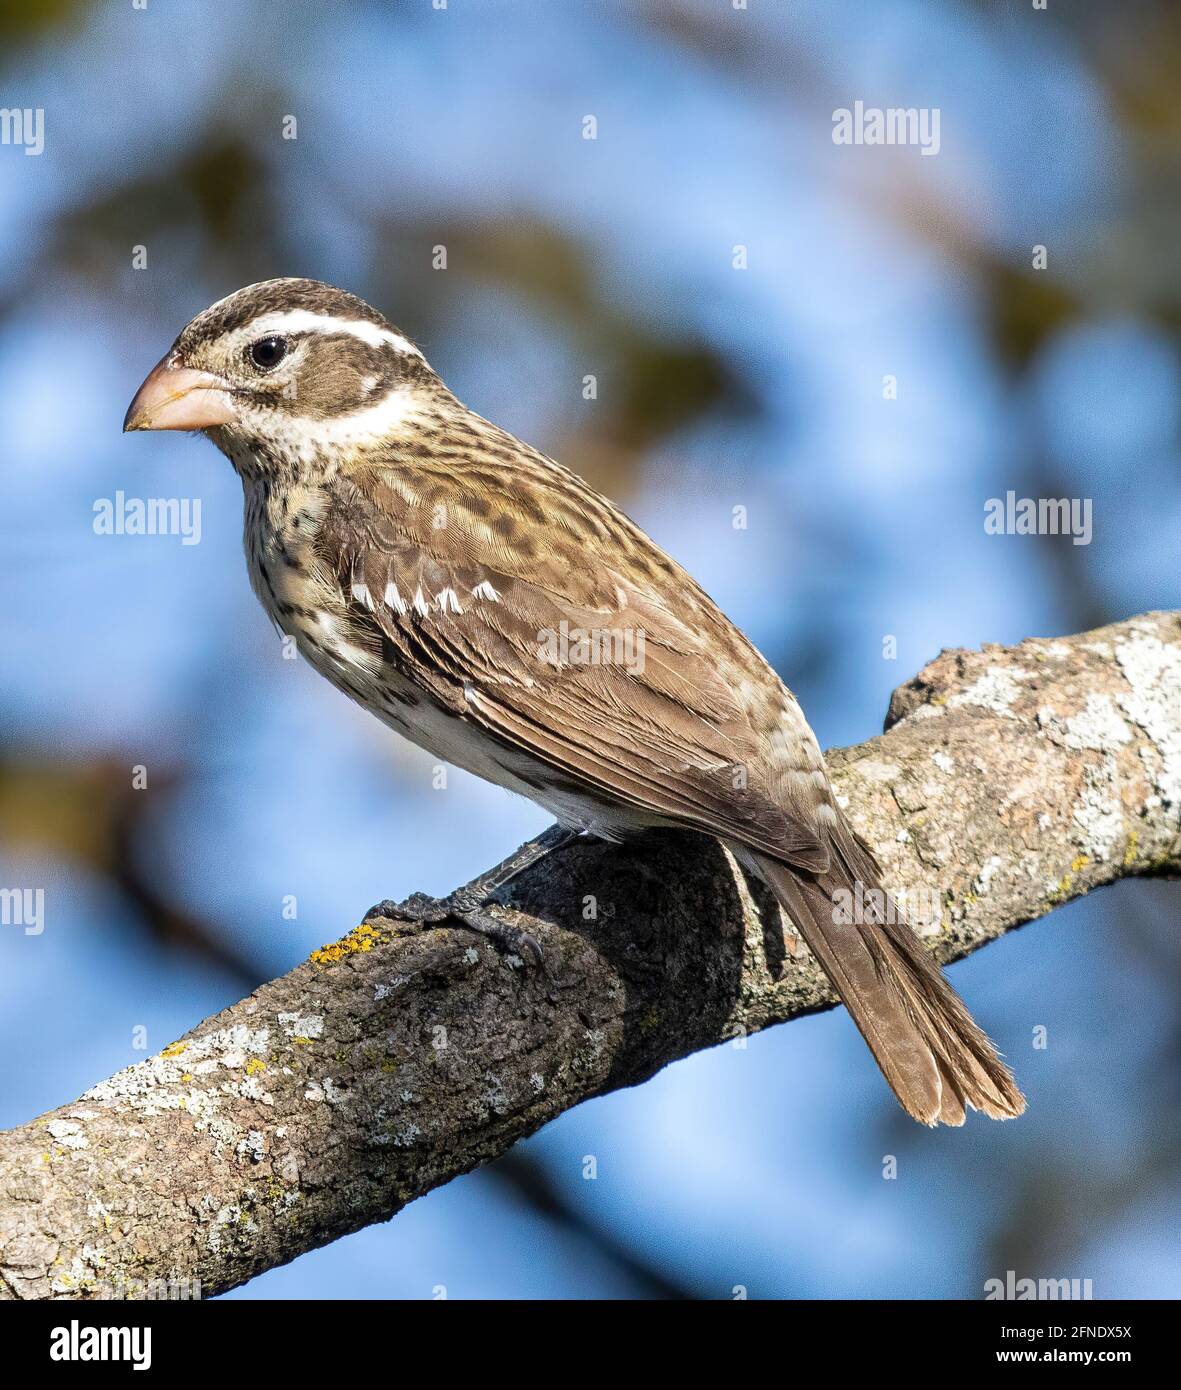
462,909
418,907
468,906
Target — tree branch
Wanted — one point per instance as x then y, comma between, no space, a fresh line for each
1009,780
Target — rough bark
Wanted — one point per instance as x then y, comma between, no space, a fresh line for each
1009,780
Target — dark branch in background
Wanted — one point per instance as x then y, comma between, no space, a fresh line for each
1009,780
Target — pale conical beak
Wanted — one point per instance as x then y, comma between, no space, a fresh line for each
180,398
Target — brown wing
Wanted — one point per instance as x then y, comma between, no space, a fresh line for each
558,627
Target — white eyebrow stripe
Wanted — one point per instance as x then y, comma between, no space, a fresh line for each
308,321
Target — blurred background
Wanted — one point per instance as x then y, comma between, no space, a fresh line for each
275,811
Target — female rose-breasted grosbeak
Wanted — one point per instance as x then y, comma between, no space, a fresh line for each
434,568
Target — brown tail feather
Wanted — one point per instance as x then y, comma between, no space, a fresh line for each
930,1050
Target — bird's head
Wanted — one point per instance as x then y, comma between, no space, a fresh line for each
285,368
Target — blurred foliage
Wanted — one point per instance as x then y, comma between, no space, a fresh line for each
1026,310
217,191
22,19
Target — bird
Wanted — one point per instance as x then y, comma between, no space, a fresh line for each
457,583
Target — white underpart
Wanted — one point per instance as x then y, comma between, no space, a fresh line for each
362,595
420,603
448,599
393,599
460,742
485,590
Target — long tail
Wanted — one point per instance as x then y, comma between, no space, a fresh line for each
930,1050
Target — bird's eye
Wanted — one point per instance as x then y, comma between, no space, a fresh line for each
267,352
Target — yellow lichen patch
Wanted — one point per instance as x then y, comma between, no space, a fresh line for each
388,1067
1066,882
174,1049
1058,893
254,1066
1132,849
302,1042
188,1076
362,938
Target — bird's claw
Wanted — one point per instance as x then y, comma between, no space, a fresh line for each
461,910
418,907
